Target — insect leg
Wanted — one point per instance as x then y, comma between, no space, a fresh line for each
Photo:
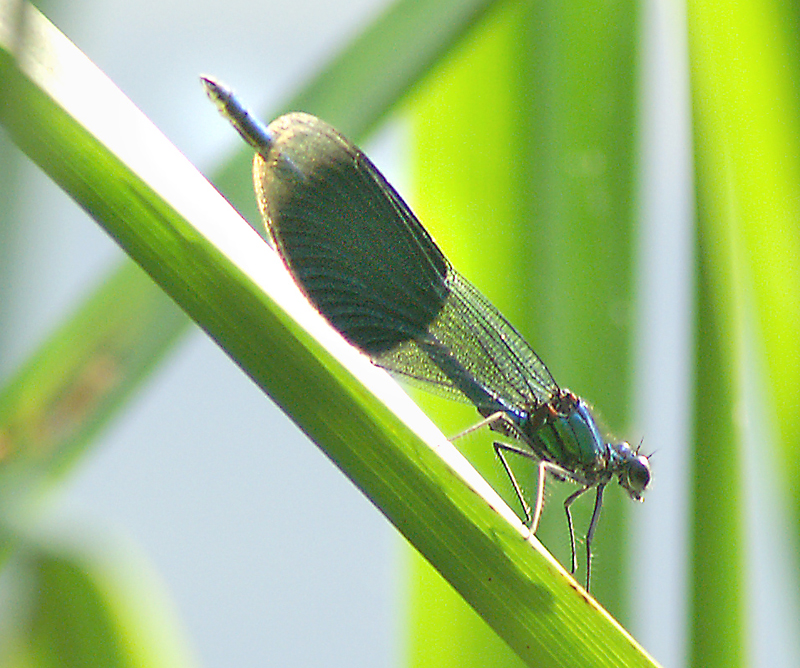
598,503
569,501
498,416
500,448
544,467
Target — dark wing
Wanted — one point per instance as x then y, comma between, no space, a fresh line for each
367,264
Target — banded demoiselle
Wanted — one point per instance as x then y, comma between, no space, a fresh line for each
367,264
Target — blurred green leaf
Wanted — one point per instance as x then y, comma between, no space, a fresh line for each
47,412
78,612
745,88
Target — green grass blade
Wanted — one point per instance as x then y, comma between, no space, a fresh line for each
211,262
745,85
717,621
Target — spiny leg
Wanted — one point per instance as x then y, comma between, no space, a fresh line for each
500,448
544,467
598,503
569,501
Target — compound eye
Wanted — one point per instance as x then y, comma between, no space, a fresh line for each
637,475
